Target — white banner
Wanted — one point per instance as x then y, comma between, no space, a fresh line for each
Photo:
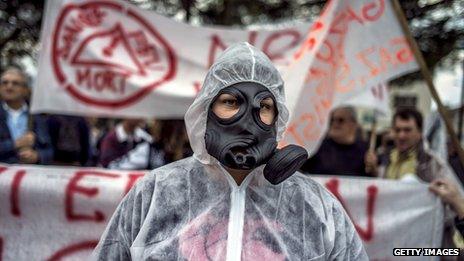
50,213
115,59
354,45
376,98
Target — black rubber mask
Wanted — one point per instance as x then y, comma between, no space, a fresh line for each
241,140
242,133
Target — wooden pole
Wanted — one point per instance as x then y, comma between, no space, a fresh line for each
428,78
372,140
461,107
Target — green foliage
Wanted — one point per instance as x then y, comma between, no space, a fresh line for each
20,23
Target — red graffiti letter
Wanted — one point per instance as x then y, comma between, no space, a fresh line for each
2,169
352,16
278,53
377,10
365,234
215,42
133,177
252,37
73,187
404,54
14,196
60,254
310,42
197,86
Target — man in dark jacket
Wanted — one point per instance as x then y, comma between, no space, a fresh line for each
342,151
70,137
23,138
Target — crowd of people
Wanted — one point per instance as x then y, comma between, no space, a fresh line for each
403,155
147,144
79,141
138,144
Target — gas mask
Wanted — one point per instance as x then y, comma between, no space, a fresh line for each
241,132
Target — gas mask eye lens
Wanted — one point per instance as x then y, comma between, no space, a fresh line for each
267,111
225,106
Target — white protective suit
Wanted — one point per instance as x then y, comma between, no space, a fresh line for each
192,209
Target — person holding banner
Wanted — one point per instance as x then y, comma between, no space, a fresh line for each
449,194
409,159
23,138
238,197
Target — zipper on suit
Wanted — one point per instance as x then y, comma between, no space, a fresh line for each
236,221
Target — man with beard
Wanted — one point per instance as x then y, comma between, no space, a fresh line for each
238,197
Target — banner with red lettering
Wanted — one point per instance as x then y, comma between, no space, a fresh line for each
352,46
376,97
50,213
114,59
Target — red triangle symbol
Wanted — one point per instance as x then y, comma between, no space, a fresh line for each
108,49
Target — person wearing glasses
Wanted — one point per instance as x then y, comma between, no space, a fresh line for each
23,138
342,151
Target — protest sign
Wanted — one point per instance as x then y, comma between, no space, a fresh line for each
375,97
354,45
54,213
117,60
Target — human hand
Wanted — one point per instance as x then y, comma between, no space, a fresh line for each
27,140
370,161
28,156
449,193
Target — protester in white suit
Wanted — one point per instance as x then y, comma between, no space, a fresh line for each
204,208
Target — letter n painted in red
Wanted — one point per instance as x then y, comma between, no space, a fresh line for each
365,234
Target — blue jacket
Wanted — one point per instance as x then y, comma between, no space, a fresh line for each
8,153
